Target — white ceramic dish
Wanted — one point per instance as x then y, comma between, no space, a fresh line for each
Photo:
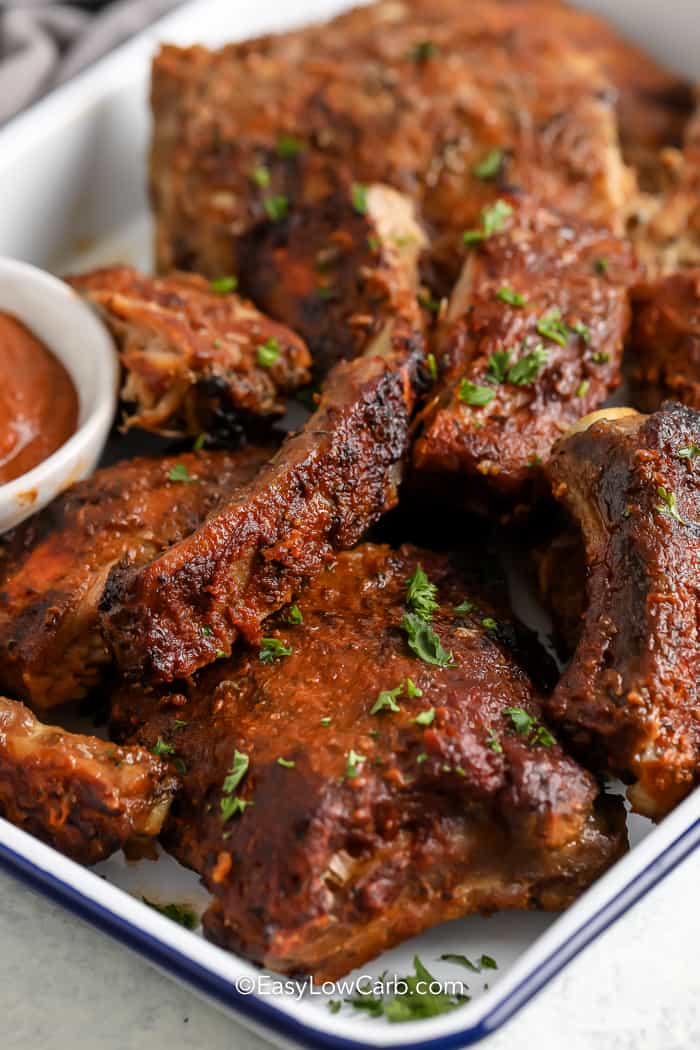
72,177
69,328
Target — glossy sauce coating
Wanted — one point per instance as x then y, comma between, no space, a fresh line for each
38,402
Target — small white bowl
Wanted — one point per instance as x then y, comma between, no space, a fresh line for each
70,329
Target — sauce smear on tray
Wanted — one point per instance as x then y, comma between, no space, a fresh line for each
38,402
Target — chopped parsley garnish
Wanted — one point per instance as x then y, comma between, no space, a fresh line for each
260,176
493,218
668,505
489,623
353,765
526,725
528,367
206,631
425,718
421,758
276,207
219,654
485,962
268,352
493,742
359,198
421,594
162,747
412,690
464,607
428,303
424,642
231,804
334,1005
180,913
600,357
471,394
420,997
373,245
325,291
386,701
499,363
601,265
551,326
287,763
583,387
289,146
273,649
326,720
199,442
432,366
180,764
180,723
507,295
224,285
689,452
294,615
180,473
423,51
490,166
581,329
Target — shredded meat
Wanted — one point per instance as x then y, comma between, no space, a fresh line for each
665,340
195,360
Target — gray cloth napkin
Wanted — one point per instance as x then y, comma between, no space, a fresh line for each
43,44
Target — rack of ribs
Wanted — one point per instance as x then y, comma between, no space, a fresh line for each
371,771
196,357
631,484
449,103
54,566
665,340
531,340
86,797
319,494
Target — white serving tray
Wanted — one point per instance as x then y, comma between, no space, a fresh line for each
72,178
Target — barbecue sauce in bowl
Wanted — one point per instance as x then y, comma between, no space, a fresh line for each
38,402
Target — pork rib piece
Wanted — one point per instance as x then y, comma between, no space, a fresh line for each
418,96
54,566
319,494
665,340
632,485
85,797
195,359
532,340
383,793
336,270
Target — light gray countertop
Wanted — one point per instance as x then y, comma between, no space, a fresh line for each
65,986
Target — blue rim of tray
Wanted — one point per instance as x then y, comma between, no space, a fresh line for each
255,1009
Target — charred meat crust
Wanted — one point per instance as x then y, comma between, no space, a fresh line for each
368,105
665,340
319,494
569,279
191,354
85,797
450,814
632,684
54,566
336,271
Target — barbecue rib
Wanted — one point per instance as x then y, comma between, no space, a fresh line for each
363,826
418,96
319,494
632,484
83,796
531,341
54,566
337,270
196,359
665,340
